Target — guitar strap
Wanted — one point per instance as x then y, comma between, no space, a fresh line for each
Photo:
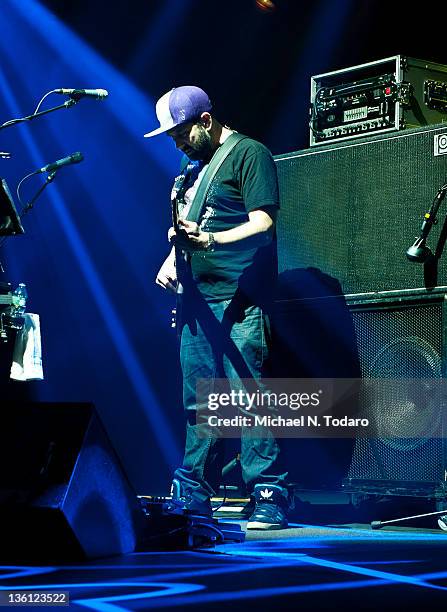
216,162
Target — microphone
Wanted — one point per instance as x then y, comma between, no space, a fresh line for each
77,94
74,158
419,251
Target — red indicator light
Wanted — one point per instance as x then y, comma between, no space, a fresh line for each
387,91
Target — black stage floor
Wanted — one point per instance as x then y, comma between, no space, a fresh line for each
304,567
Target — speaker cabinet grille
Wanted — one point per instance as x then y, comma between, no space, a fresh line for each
352,210
402,337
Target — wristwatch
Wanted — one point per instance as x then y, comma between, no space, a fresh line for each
211,243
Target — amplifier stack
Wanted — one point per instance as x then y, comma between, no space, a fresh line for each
351,206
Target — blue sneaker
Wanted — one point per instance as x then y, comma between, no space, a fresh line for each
185,500
271,508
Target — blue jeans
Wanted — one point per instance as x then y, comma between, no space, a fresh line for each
224,340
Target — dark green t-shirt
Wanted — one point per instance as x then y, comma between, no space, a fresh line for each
246,181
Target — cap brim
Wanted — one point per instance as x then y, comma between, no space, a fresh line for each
159,130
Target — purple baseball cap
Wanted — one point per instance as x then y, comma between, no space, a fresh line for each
180,105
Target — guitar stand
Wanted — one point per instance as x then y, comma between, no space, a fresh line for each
442,523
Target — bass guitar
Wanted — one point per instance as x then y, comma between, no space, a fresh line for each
182,258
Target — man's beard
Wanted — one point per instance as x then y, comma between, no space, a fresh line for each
202,147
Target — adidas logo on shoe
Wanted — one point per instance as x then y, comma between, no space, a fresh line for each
270,509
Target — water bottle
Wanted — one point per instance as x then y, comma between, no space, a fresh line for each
19,297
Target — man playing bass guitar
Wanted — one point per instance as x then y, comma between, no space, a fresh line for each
231,260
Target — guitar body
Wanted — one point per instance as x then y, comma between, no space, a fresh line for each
191,171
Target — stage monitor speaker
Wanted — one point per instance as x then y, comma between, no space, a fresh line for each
63,492
352,209
402,336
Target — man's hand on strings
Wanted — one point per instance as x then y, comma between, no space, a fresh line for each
189,237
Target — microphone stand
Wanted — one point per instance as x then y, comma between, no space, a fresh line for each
67,104
431,263
430,281
29,205
380,524
419,252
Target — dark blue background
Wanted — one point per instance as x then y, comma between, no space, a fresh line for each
97,236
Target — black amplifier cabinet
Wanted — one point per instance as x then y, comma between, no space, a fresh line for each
396,342
382,96
352,209
401,337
